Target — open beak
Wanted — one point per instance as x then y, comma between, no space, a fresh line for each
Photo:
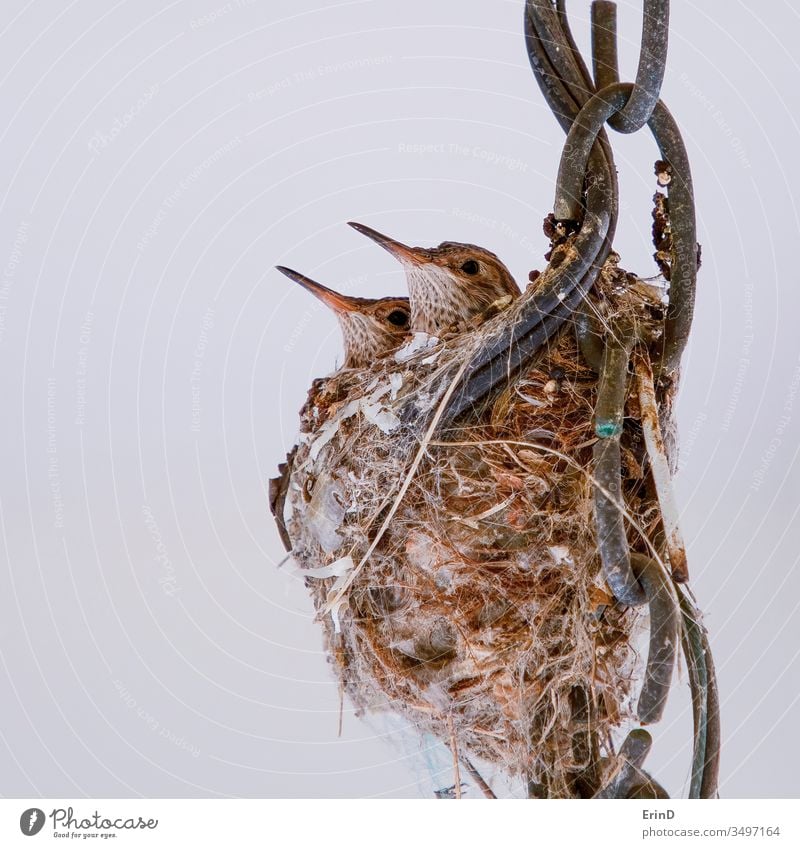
417,255
337,302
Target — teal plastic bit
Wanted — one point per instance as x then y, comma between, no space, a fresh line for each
607,429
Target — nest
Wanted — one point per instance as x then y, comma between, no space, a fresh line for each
457,575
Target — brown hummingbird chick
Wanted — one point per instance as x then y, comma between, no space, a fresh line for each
371,328
450,284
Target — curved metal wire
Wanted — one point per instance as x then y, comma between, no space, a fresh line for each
705,702
567,86
564,80
568,89
662,650
612,541
569,189
540,318
604,43
541,314
587,202
590,336
552,58
585,782
632,754
652,60
577,58
646,789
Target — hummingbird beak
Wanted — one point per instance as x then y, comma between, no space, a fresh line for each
339,303
415,255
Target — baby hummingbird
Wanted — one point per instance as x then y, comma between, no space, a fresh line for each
370,328
448,284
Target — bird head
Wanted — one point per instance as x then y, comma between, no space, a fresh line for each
448,284
371,328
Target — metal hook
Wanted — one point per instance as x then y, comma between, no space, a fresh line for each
604,44
612,541
590,336
632,754
663,638
539,315
561,8
521,331
569,189
652,60
705,703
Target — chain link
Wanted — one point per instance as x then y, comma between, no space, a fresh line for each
586,206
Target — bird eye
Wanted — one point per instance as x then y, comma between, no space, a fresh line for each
470,267
398,318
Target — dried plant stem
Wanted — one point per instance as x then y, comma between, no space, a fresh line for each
662,476
454,749
478,778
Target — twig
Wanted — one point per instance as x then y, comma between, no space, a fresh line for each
476,776
454,749
662,477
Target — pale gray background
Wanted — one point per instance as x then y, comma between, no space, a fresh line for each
149,644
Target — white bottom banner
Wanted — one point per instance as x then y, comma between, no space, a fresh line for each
330,824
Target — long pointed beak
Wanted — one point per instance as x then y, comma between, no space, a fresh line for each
337,302
403,252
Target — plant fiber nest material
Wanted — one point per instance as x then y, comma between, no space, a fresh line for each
457,574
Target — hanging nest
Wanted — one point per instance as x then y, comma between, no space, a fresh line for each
457,574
